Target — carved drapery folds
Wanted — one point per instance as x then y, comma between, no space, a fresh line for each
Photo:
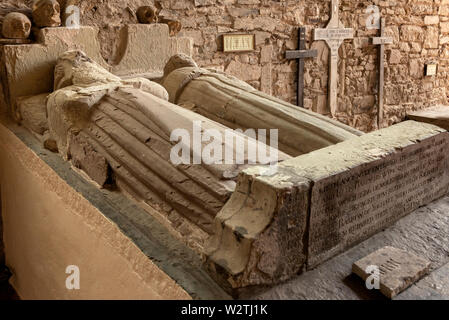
117,130
236,104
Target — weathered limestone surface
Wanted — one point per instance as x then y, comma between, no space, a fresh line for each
365,184
260,233
7,8
438,116
148,48
347,193
124,252
398,269
433,287
33,113
29,68
237,105
147,14
113,128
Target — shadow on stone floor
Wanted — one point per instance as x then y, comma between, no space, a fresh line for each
358,286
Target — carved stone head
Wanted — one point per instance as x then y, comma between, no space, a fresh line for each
46,13
179,61
147,15
16,26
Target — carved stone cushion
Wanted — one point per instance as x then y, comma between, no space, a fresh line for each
33,113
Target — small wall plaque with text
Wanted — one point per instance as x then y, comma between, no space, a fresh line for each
239,42
431,70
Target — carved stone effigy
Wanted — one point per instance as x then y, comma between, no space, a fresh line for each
111,128
236,104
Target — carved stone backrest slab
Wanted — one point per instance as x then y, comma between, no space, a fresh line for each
142,49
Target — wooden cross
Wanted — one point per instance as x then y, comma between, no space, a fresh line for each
381,42
334,35
300,55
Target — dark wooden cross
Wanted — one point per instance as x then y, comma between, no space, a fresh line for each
300,55
381,42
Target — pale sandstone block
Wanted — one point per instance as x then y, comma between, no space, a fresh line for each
431,20
30,68
46,13
235,104
147,15
398,269
147,50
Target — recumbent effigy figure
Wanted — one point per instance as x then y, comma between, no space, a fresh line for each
236,104
120,130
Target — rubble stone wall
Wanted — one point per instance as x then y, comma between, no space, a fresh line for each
420,29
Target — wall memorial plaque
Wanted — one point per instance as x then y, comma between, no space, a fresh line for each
239,42
431,70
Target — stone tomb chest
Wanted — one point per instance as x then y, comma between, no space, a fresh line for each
266,228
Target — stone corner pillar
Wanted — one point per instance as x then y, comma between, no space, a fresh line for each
260,233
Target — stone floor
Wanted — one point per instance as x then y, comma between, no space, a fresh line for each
424,232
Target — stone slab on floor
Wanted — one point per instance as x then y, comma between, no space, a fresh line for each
424,232
438,116
433,287
398,269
